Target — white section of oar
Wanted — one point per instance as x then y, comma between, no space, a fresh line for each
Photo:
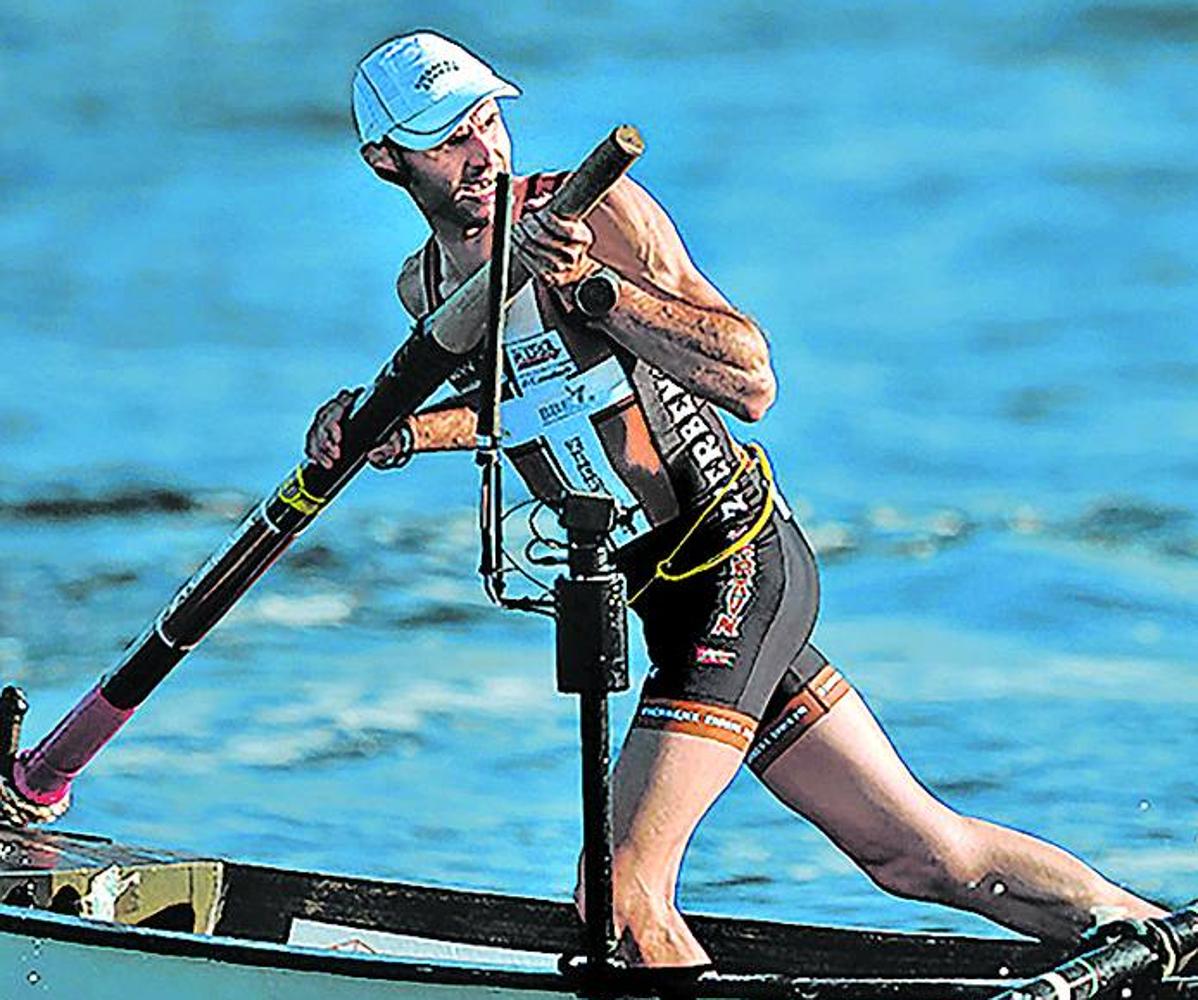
335,937
162,635
1062,989
1171,949
1059,984
262,512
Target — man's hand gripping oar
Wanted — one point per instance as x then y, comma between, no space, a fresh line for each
35,784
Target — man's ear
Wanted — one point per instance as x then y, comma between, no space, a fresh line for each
386,162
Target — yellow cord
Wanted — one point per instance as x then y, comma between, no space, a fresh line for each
663,572
303,501
303,490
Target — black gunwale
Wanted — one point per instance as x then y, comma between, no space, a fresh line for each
736,945
377,968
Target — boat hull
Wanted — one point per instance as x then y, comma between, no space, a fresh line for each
122,964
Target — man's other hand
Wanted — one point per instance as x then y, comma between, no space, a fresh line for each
323,443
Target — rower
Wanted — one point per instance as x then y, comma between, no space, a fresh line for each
623,361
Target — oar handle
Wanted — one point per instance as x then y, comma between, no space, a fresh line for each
584,188
423,361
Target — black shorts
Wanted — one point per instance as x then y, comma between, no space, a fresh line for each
729,647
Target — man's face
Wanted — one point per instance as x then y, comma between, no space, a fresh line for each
455,181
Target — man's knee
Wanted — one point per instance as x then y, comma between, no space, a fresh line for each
946,866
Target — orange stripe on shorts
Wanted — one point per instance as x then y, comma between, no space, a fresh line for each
712,722
806,708
828,687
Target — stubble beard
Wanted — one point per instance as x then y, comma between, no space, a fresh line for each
474,217
466,216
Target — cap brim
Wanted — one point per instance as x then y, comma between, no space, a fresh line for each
436,124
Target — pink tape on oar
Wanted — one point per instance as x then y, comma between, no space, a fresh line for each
43,775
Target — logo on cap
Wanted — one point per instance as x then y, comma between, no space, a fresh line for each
425,80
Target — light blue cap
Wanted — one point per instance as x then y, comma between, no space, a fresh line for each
417,88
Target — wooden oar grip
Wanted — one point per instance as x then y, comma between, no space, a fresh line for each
605,165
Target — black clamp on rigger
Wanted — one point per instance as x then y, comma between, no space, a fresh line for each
1173,938
592,632
1118,956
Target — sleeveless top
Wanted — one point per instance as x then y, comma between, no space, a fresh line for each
573,400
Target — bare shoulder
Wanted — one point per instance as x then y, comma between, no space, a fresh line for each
636,235
635,212
410,287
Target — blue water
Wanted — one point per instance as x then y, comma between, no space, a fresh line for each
969,230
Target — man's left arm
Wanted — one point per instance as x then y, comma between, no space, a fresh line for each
666,311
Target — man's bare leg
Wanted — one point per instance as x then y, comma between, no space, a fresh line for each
844,775
663,784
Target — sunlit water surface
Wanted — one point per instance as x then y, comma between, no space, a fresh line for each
969,231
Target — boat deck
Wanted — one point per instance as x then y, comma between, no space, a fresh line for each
90,893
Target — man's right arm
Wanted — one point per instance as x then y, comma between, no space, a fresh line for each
451,425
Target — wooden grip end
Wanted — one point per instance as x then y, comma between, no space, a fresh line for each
596,174
628,138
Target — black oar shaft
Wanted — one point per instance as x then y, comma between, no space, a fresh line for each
1153,947
439,344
